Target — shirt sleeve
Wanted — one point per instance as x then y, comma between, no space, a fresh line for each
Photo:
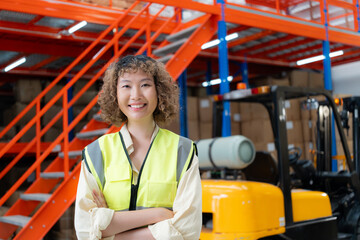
187,221
89,219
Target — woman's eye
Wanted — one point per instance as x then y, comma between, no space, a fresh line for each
125,86
145,85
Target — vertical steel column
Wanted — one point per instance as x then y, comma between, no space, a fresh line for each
358,15
183,105
245,73
208,78
328,81
224,71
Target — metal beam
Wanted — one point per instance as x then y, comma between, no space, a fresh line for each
250,38
78,11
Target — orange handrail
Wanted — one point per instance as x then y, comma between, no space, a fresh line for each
66,104
52,101
53,83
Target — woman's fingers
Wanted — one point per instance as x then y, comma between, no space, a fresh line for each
99,199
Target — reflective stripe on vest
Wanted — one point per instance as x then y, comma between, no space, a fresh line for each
168,158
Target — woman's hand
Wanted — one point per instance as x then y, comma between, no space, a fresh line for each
99,199
164,214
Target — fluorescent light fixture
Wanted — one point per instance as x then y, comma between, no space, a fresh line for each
77,27
216,81
217,41
318,58
231,36
15,64
210,44
337,53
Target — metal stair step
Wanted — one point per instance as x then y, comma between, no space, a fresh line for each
17,220
91,134
170,48
72,154
52,175
185,33
166,58
98,118
41,197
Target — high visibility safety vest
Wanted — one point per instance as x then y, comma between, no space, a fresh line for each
168,158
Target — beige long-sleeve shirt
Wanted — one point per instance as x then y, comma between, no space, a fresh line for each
187,220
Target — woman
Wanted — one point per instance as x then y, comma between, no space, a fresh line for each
143,182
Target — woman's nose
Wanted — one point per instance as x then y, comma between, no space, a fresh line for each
136,93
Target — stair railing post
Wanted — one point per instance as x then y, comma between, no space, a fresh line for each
66,134
148,32
38,138
277,6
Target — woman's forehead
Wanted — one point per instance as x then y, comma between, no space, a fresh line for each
137,74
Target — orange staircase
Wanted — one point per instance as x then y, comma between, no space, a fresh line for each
54,189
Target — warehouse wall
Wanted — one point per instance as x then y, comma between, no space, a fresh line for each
346,78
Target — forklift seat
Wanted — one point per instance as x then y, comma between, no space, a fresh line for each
262,169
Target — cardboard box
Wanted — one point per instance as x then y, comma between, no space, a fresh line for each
174,126
193,130
309,130
52,92
292,109
235,128
299,78
269,81
27,90
86,97
80,84
340,150
193,108
206,110
52,134
29,135
316,80
245,111
294,131
258,111
205,130
50,114
258,130
9,135
17,108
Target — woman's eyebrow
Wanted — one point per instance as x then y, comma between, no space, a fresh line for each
124,80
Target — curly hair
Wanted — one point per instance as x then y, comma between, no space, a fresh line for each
167,90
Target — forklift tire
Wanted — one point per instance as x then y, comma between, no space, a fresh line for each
357,231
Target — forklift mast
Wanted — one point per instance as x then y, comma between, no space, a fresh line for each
352,105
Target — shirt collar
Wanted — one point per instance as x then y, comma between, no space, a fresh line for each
128,140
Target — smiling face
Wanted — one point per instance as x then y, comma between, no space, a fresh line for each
136,95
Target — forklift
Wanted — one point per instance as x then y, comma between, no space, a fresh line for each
264,200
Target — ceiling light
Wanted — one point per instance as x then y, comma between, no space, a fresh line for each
210,44
216,81
318,58
217,41
15,64
77,27
231,36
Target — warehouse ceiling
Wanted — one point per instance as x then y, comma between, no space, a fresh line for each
49,49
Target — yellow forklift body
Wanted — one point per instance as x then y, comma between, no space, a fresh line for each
310,205
242,209
251,210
